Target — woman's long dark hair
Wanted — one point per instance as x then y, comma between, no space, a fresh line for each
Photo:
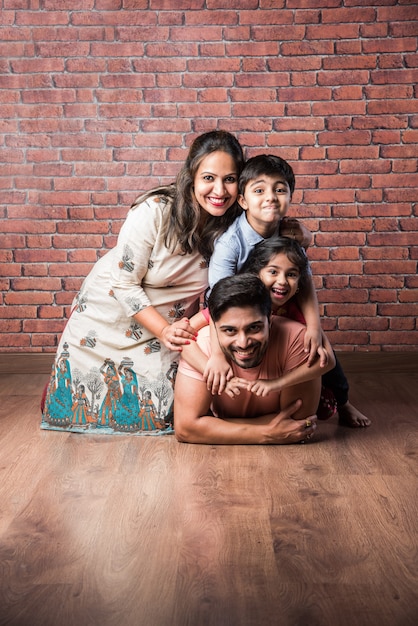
185,213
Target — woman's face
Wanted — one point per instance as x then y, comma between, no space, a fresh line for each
216,183
281,277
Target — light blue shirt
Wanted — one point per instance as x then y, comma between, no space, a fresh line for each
232,249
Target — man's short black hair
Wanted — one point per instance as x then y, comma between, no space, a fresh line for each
241,290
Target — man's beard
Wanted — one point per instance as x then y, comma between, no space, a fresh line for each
254,361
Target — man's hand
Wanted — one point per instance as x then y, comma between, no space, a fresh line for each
283,429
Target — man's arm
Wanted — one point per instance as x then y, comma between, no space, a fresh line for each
193,422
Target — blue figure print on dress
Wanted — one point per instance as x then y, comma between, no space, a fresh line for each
78,403
60,396
126,416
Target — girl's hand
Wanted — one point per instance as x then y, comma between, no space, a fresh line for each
313,344
179,333
217,373
262,388
234,385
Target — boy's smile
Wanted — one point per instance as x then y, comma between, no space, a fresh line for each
266,201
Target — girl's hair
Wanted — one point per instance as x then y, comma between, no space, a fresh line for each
185,214
264,251
266,165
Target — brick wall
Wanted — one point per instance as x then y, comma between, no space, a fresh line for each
101,101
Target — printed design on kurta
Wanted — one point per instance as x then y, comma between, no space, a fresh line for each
127,263
81,299
153,345
90,340
110,398
135,331
177,311
135,304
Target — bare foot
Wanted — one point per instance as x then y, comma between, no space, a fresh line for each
350,416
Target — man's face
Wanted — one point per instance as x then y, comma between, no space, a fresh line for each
243,335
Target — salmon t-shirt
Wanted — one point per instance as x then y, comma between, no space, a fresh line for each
285,352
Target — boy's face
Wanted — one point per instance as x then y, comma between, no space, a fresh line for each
266,200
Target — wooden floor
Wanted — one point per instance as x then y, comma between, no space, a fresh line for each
133,531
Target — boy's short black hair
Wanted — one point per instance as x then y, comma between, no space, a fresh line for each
269,165
240,290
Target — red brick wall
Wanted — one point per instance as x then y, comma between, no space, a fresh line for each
100,101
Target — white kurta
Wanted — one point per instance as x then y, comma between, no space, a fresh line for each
110,374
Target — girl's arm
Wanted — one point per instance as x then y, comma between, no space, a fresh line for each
301,374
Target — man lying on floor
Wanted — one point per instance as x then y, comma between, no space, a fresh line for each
257,346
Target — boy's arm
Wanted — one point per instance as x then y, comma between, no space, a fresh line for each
216,370
223,262
292,228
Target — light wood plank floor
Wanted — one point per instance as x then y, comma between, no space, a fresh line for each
133,531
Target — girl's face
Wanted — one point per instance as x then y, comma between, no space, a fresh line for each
216,183
281,277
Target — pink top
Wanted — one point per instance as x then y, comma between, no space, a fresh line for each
285,352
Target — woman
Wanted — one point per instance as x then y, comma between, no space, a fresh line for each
132,311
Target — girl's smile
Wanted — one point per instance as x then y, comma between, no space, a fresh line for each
281,278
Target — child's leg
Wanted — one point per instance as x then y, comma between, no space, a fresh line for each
338,383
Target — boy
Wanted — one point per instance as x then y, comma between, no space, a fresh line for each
266,186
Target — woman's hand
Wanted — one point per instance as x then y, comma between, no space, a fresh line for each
179,333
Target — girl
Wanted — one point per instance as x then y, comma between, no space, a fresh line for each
282,265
